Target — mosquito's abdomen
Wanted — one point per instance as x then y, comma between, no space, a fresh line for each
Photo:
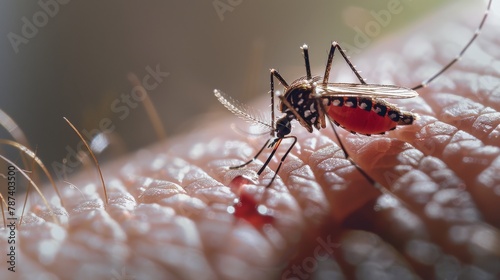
367,116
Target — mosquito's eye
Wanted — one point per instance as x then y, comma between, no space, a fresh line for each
283,127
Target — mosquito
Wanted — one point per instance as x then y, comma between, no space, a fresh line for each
312,100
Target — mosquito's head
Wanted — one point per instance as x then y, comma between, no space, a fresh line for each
283,126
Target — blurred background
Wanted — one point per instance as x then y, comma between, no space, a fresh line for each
71,58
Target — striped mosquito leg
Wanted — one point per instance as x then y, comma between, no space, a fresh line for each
305,51
275,74
329,63
335,46
276,145
461,53
372,181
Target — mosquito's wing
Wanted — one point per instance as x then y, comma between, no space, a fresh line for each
365,90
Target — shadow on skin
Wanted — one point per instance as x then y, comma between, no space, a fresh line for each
167,218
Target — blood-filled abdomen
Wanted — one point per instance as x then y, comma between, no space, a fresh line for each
367,115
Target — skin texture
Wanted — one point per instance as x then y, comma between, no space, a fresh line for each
167,218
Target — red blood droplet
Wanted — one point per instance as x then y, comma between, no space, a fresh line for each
238,182
247,207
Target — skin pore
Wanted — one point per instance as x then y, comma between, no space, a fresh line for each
167,219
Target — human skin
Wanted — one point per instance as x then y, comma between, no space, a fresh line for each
166,216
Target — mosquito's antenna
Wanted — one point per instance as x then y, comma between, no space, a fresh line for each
241,110
459,56
305,50
246,133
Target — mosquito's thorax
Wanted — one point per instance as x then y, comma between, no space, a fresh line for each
302,97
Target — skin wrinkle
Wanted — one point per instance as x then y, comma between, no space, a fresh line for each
148,235
404,189
454,105
381,257
467,115
342,191
309,194
438,232
482,90
469,170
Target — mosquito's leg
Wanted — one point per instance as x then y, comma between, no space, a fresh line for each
346,155
329,63
334,46
460,54
276,145
372,181
254,158
305,51
275,74
283,158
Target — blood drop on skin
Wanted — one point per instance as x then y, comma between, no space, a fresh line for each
246,207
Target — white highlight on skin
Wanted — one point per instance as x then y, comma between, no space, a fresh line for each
262,209
422,251
486,240
386,201
99,143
